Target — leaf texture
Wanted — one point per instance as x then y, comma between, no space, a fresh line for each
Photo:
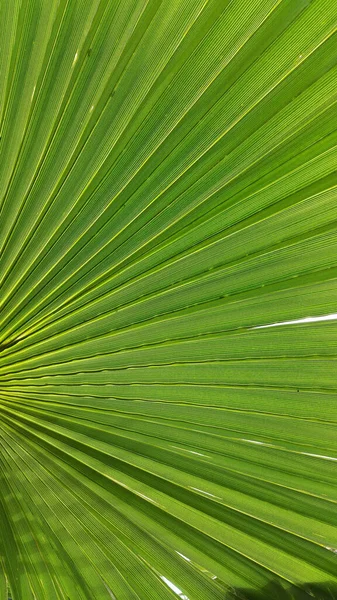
168,346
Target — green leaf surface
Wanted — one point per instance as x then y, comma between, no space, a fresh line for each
168,329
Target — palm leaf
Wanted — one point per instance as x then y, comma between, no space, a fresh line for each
168,198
